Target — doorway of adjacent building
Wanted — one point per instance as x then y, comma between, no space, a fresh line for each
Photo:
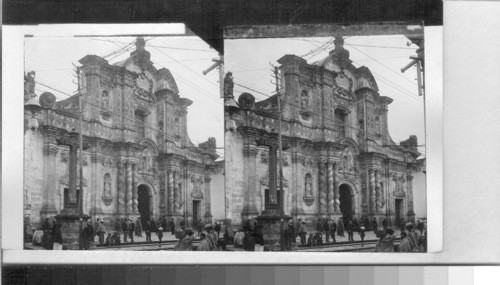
346,202
144,201
196,211
399,210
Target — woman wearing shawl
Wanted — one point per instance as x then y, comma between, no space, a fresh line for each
386,241
186,243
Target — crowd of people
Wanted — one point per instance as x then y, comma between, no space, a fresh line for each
249,237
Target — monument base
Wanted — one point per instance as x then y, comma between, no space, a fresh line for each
69,219
272,222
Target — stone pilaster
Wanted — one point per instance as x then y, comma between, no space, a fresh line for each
208,195
135,195
330,196
50,151
128,187
170,193
372,191
322,188
121,188
409,194
250,206
96,184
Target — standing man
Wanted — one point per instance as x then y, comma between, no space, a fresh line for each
125,229
200,227
211,237
87,235
326,227
131,228
217,229
303,233
101,230
333,229
350,231
147,229
172,226
362,234
374,224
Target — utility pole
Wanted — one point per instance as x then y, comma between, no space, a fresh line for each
219,62
80,194
280,157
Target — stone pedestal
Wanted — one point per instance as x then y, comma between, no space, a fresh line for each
70,227
271,221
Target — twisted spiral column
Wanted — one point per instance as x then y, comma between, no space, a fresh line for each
336,195
331,202
129,189
135,194
170,194
121,189
177,194
372,191
322,188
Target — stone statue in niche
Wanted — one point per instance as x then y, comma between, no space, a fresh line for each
107,197
308,192
399,189
304,100
29,85
105,99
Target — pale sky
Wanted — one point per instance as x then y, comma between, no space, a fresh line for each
185,57
249,61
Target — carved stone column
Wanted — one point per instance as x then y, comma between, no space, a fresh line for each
50,151
135,193
322,187
336,194
128,185
330,196
208,204
121,188
372,191
170,193
163,195
177,194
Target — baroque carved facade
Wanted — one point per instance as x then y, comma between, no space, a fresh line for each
138,158
341,160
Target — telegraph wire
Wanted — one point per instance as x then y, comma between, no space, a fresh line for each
383,65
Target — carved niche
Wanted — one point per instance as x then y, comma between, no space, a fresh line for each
347,161
144,86
308,192
399,189
264,158
107,195
147,164
197,184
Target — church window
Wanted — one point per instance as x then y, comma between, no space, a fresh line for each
340,121
140,123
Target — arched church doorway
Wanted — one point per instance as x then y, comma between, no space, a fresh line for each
144,203
346,202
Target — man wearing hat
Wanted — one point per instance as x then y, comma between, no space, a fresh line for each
413,236
87,235
211,237
101,230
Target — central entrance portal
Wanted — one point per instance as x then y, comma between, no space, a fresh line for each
196,212
398,209
346,202
144,203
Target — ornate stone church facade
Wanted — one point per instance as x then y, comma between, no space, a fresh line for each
138,159
338,160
